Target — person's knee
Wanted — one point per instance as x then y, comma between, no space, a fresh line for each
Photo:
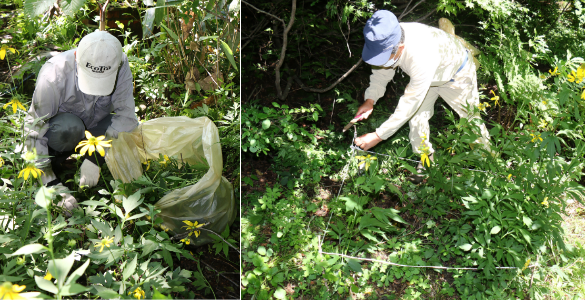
65,132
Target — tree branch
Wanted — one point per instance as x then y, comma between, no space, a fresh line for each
283,51
427,15
308,89
406,13
264,12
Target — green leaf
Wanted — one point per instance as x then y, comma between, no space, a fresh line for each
261,250
203,38
43,197
73,289
228,52
355,265
149,246
70,7
465,247
167,257
527,221
130,268
132,202
59,268
495,230
30,249
105,293
77,273
265,124
351,204
34,8
171,33
280,294
46,285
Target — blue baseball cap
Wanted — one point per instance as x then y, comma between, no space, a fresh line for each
382,34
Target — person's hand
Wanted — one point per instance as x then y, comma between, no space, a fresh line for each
89,174
367,141
365,110
68,202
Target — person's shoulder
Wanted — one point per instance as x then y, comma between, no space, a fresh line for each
64,61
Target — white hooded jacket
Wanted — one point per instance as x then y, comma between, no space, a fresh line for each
431,57
57,91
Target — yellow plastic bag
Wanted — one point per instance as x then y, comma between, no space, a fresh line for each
447,26
195,141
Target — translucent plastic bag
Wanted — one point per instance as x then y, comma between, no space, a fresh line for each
195,141
447,26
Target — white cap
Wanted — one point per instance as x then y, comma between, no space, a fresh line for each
98,59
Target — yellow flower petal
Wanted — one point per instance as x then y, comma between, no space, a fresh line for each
83,150
91,149
100,150
48,276
2,53
88,135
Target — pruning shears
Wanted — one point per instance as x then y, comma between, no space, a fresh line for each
352,122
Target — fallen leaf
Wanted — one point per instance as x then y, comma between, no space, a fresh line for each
290,288
322,211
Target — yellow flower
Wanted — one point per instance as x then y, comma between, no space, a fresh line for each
165,160
367,160
583,95
509,176
542,76
536,137
92,144
496,99
15,105
545,202
526,264
452,150
544,102
104,243
138,292
542,124
187,241
193,227
553,73
11,291
424,157
581,72
1,162
571,77
48,276
2,55
147,163
30,169
483,106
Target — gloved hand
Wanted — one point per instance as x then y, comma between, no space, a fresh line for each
365,110
89,174
69,202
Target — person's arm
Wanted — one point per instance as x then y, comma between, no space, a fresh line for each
378,81
44,105
125,119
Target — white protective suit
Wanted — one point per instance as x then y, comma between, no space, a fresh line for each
57,91
431,57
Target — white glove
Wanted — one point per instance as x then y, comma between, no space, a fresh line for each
69,202
90,174
48,175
